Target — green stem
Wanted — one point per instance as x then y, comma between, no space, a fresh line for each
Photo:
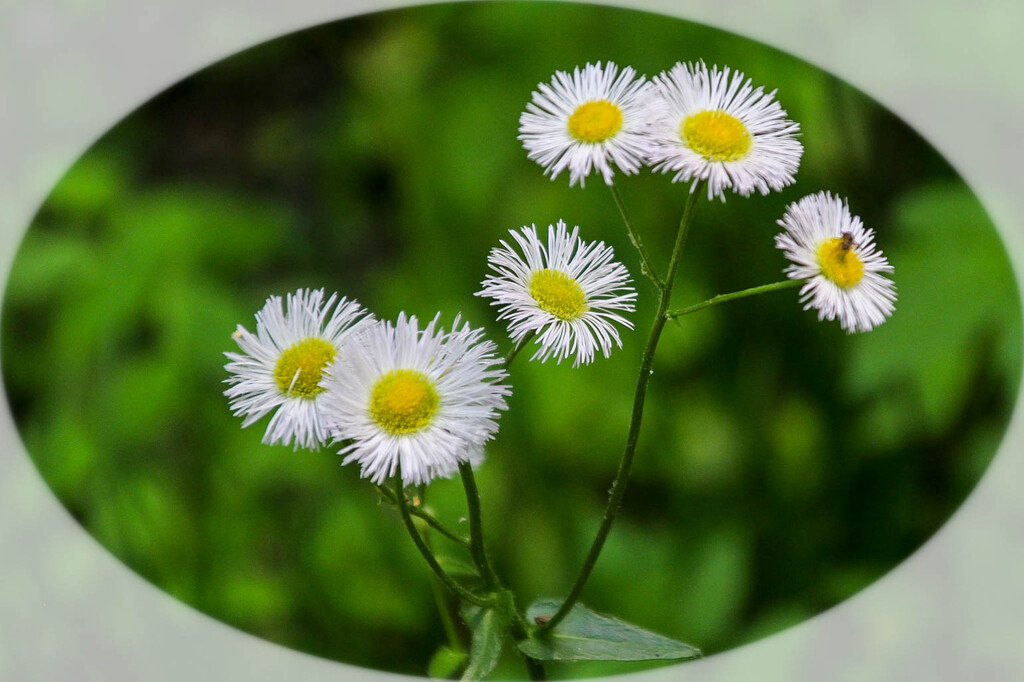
441,599
681,235
451,630
534,668
476,530
639,398
518,347
429,519
517,624
723,298
520,630
448,622
646,267
446,579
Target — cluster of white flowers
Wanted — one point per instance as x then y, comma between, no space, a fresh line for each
398,398
392,395
711,126
702,124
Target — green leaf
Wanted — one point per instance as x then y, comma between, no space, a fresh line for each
488,627
445,663
588,636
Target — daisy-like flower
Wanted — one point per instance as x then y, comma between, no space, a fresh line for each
566,291
715,126
588,121
425,399
281,365
836,254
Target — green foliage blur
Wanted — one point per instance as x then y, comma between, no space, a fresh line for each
783,465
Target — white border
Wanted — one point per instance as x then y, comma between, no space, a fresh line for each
71,68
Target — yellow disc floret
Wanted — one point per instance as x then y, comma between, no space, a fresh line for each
301,366
595,121
558,294
403,401
716,135
839,262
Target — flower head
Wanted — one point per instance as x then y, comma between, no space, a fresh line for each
567,291
423,399
588,121
836,254
715,126
281,365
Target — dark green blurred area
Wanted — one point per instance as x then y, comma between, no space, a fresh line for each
783,465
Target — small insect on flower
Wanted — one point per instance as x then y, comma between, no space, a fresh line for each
836,254
716,126
427,399
569,292
281,365
588,121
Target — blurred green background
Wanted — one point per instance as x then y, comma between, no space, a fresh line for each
783,465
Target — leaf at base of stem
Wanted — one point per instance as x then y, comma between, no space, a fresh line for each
584,635
489,628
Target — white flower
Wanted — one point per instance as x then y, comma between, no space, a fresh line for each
566,291
720,129
424,399
588,121
282,363
836,254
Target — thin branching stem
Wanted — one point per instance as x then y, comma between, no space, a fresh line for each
476,530
444,604
639,399
518,347
520,629
646,267
441,598
732,296
451,630
427,517
446,579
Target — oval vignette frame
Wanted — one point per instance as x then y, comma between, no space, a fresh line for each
989,477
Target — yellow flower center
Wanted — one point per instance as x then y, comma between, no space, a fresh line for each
558,294
716,135
839,263
595,121
403,401
301,366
